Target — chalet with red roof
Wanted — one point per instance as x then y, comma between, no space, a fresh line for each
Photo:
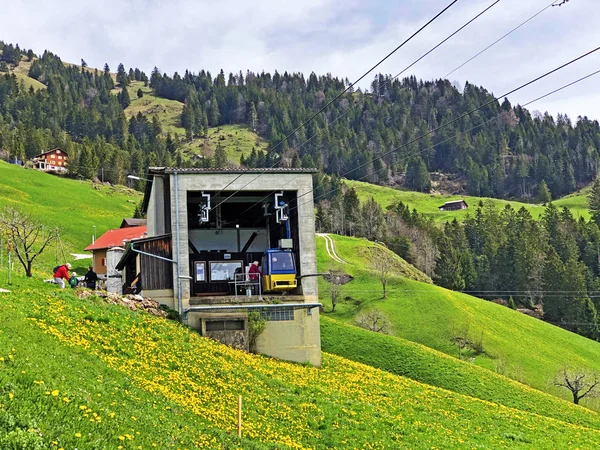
55,160
112,238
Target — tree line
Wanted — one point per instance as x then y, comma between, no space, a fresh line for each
397,132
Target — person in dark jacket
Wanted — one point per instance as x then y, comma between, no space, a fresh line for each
91,278
62,272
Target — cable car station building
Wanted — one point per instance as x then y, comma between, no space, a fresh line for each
206,230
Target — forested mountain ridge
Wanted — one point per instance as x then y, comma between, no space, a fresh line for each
499,151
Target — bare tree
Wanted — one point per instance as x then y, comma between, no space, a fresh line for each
26,236
580,382
335,279
383,266
374,320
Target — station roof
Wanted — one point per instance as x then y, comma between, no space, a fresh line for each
239,170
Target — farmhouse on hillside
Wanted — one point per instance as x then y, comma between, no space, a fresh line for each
206,230
55,160
454,205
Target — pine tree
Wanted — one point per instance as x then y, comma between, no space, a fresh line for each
544,195
252,117
213,112
594,201
220,158
417,176
122,77
140,93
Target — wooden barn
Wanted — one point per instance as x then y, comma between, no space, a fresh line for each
455,205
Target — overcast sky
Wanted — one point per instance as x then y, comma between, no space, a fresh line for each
343,38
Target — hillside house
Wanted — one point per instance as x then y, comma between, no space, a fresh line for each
206,227
454,205
55,160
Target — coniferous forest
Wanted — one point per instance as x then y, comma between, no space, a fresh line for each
501,150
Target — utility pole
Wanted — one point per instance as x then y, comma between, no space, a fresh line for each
102,170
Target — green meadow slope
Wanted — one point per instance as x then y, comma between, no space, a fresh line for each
73,206
420,363
237,140
84,374
428,204
518,346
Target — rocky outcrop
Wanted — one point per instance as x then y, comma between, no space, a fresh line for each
133,302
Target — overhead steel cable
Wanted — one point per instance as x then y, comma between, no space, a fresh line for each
495,99
388,81
303,124
499,39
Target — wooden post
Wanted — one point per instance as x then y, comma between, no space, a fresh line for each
9,261
239,428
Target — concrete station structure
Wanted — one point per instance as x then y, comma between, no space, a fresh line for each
205,228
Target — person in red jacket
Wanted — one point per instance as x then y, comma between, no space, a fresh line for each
62,272
254,271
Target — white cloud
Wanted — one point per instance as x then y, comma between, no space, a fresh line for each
323,36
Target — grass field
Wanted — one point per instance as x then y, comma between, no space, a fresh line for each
22,74
428,204
121,378
237,140
523,348
167,111
420,363
73,206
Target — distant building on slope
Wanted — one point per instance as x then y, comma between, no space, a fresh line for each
55,160
455,205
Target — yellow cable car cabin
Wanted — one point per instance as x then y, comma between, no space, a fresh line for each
279,270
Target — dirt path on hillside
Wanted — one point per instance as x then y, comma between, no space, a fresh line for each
330,247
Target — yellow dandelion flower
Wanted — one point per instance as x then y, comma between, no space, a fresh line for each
55,393
11,395
77,435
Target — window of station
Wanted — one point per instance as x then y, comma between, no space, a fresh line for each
224,270
277,315
225,325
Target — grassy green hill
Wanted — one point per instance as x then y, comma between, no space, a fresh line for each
73,206
237,140
514,344
22,74
83,374
428,203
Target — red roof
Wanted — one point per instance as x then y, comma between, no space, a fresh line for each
115,238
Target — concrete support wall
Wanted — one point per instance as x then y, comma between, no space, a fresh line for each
298,340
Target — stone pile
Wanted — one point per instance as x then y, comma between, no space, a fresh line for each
131,301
